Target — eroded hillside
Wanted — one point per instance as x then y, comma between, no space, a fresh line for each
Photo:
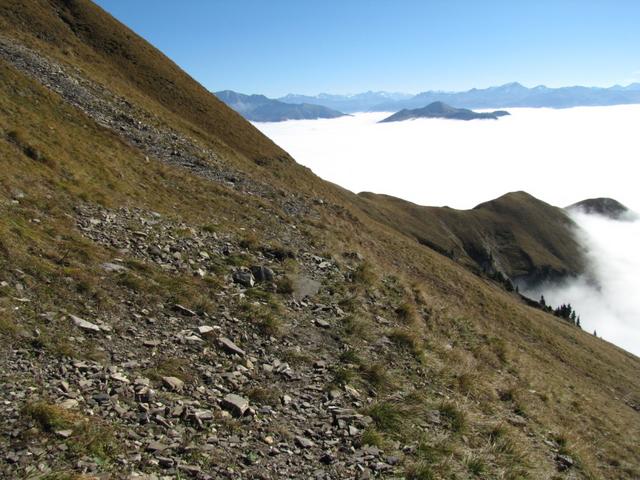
178,297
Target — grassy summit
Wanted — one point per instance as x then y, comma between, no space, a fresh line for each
179,297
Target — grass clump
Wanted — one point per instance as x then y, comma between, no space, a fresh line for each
408,339
455,418
171,367
19,138
351,356
8,327
387,416
249,241
49,417
356,326
364,274
372,437
343,376
420,471
284,285
475,466
265,396
377,376
407,312
89,436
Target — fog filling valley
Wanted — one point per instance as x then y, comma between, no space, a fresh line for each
559,156
606,298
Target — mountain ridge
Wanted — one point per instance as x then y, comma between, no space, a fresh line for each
508,95
258,108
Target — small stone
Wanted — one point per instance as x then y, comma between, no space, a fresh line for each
352,391
262,274
64,433
322,323
113,267
564,462
269,440
304,442
286,399
204,414
192,470
101,397
84,325
69,403
230,347
235,404
204,329
334,394
165,462
327,458
243,278
184,310
173,383
156,447
120,377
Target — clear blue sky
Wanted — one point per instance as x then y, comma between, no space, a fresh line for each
310,46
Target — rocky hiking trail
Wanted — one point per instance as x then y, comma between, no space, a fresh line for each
179,385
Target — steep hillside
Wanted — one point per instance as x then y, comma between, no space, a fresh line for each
259,108
515,235
179,298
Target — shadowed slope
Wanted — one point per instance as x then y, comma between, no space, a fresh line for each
516,234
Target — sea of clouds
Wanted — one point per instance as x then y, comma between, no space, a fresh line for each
607,297
559,156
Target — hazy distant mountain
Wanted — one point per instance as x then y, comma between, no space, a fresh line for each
607,207
442,110
516,95
508,95
259,108
359,102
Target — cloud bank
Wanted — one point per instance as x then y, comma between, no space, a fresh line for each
607,297
560,156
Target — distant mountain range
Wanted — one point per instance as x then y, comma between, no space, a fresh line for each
442,110
508,95
359,102
259,108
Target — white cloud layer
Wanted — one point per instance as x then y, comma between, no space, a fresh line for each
560,156
607,298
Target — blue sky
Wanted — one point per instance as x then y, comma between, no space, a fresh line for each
310,46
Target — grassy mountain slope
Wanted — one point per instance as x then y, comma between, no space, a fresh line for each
132,210
516,235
